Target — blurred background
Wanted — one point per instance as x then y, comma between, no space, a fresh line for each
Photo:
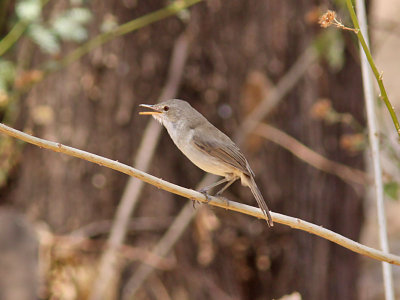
265,73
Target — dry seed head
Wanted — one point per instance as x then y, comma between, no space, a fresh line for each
27,78
321,109
327,19
352,142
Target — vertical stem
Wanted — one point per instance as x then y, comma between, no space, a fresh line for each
365,46
374,142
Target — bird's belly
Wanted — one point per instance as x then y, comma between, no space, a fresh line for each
206,162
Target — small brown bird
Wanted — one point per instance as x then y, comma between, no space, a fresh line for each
206,146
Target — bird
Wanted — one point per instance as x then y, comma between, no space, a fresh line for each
207,147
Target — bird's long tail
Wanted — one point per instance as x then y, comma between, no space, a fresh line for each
260,200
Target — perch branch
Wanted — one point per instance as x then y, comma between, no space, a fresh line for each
214,201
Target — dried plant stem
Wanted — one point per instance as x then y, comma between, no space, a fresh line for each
311,157
128,252
164,245
137,224
277,93
378,76
194,195
373,133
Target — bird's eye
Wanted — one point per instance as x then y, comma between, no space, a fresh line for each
166,108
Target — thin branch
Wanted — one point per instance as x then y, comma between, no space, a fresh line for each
285,85
163,247
130,26
374,133
368,56
194,195
135,225
15,33
128,252
109,268
311,157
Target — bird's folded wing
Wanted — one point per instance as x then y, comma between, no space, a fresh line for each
226,150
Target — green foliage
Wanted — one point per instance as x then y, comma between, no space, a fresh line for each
392,189
48,35
69,25
45,38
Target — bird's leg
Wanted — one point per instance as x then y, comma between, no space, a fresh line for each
205,190
218,194
226,186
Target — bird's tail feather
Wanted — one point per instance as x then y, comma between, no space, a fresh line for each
260,200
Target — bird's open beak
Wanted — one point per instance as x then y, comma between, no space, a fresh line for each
154,110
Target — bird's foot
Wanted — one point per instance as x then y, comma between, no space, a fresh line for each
204,192
194,202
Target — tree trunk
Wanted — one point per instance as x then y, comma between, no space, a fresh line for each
236,44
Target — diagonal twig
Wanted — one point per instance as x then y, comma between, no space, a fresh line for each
170,10
286,84
164,245
311,157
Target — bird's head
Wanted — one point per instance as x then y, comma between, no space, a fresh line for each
168,111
